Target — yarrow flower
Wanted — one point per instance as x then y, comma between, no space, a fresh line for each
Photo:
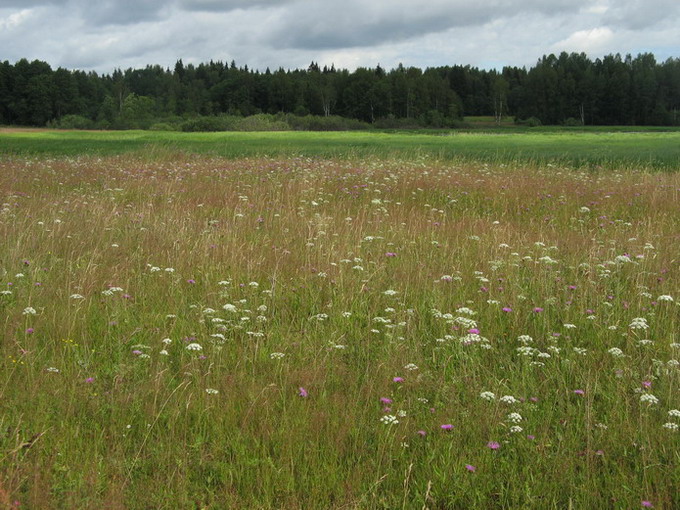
508,399
194,347
648,398
487,395
389,419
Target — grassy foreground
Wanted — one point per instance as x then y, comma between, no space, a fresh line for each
580,148
298,333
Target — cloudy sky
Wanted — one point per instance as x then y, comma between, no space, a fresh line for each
102,35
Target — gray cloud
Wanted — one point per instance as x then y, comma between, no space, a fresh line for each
642,14
102,35
356,23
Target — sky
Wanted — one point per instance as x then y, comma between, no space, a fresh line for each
102,35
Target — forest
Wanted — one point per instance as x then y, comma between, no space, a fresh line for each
567,89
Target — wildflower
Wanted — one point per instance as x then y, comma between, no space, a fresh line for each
421,433
166,341
514,417
616,352
398,379
487,395
470,468
671,426
674,413
52,370
649,399
390,292
194,347
446,426
646,504
211,391
29,311
389,419
76,296
385,400
302,392
276,355
579,392
507,309
164,353
411,366
494,445
516,429
509,399
665,298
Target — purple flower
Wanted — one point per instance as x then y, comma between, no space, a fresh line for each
421,433
507,309
538,309
579,392
470,468
136,352
390,254
646,504
385,400
398,379
191,280
446,426
494,445
89,380
302,392
531,437
29,330
473,331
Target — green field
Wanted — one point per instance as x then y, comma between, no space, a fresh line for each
576,147
477,321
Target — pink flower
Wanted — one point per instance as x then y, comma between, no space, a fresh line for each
89,380
538,309
470,468
494,445
302,392
646,504
446,426
647,384
579,392
507,309
421,433
385,400
473,331
398,379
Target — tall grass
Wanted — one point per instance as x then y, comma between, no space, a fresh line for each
366,327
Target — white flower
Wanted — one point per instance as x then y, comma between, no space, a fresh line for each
211,391
167,341
514,417
5,293
639,323
276,355
76,296
648,398
390,292
616,352
487,395
230,308
208,311
671,426
29,311
254,284
19,275
169,270
346,315
194,347
674,413
164,353
665,297
389,419
411,366
508,399
53,370
525,339
569,326
515,429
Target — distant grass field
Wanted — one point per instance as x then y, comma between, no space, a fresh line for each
576,147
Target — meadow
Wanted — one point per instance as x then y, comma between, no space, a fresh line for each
363,331
581,147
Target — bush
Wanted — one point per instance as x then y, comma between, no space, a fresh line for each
530,122
71,122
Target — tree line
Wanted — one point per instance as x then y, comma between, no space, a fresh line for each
566,89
